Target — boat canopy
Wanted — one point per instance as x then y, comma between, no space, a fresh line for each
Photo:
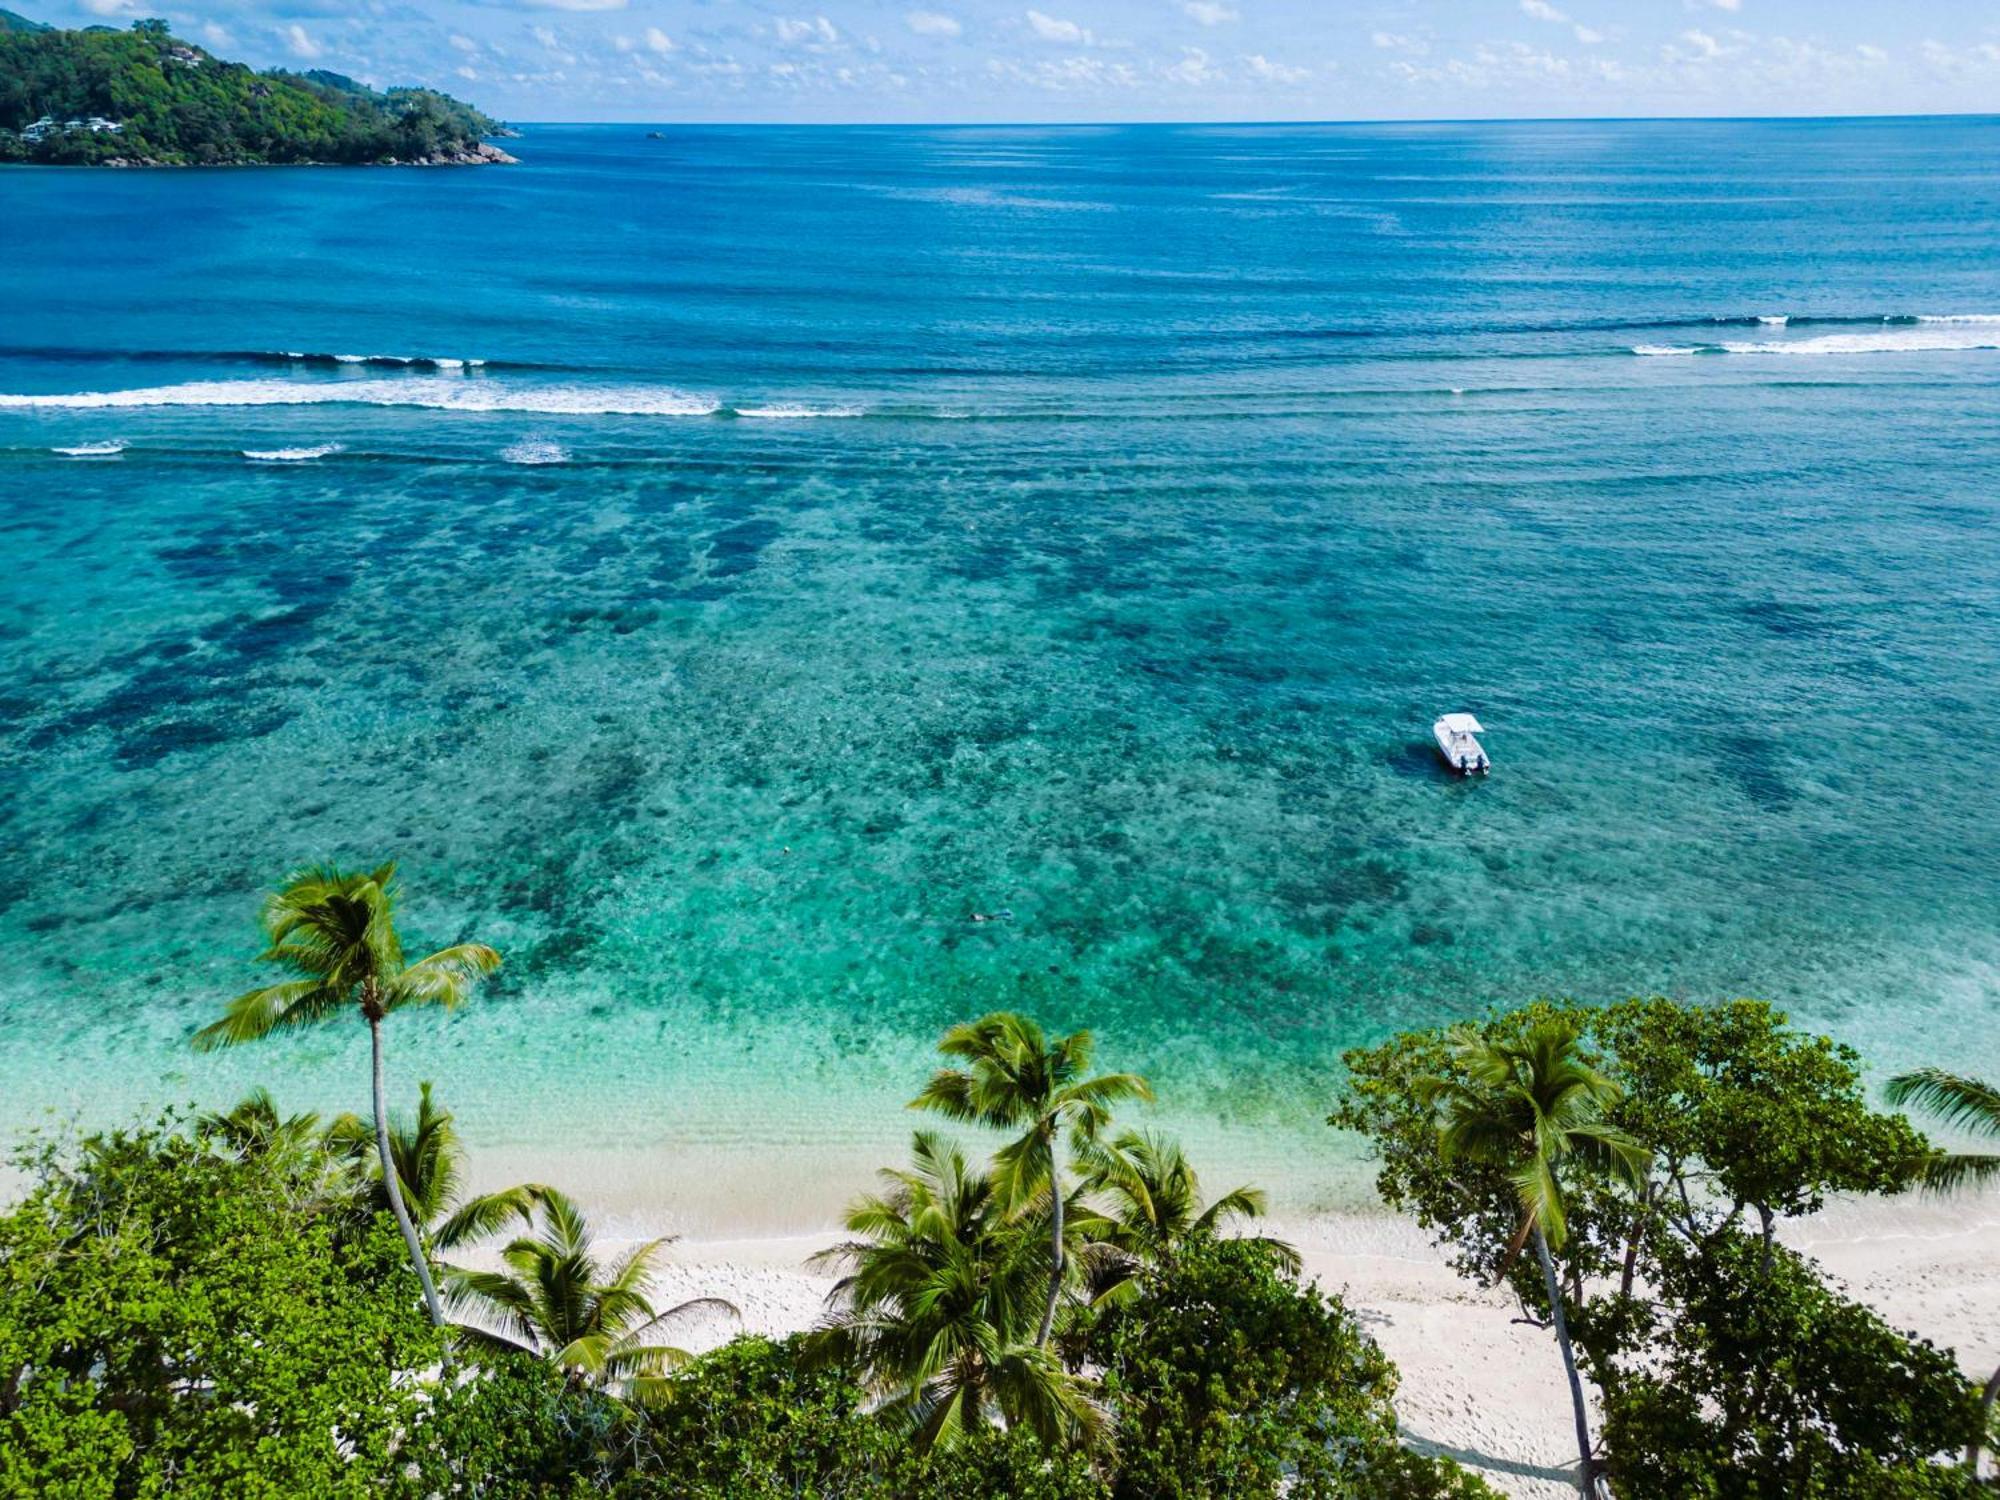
1460,724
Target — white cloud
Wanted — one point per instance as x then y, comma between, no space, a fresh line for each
112,7
659,41
1705,46
1211,12
1051,29
1732,6
1588,35
1193,69
1871,53
463,43
816,32
1396,41
1272,72
576,5
1541,10
216,35
302,45
932,23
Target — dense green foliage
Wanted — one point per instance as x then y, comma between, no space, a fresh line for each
1725,1365
176,104
1228,1377
182,1318
1746,1375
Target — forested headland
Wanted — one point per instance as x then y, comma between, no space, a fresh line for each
144,97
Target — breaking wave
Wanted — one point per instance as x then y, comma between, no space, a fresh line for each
1928,335
289,455
432,393
792,411
109,449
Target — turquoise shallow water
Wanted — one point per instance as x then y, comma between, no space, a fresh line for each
1164,485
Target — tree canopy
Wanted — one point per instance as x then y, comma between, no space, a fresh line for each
144,95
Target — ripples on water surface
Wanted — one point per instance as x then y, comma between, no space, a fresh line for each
717,566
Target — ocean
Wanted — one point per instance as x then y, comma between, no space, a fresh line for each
719,566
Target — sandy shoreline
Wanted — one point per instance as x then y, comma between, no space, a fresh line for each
1475,1383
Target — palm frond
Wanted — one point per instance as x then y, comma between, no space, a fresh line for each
1964,1103
489,1213
1953,1171
444,978
255,1014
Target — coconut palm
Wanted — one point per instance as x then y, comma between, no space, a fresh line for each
253,1127
1525,1107
939,1304
1016,1079
1973,1106
1152,1199
337,933
556,1300
430,1170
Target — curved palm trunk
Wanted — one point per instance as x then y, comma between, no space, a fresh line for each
393,1186
1056,1245
1586,1479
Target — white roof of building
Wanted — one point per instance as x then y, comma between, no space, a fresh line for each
1460,724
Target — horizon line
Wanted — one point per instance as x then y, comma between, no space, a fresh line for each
1262,124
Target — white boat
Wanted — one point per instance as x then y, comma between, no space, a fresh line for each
1456,743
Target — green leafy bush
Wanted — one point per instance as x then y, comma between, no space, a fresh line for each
1230,1379
180,1319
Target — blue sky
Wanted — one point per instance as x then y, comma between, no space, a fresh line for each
940,60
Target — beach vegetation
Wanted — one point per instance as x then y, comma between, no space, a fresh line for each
554,1298
1015,1078
335,932
1971,1105
939,1305
1742,1373
1229,1376
186,1313
1526,1107
429,1159
1738,1123
1151,1199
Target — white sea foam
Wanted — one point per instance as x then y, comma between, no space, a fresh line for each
435,361
430,393
93,450
1665,349
1890,341
1959,318
289,455
792,411
535,451
1775,320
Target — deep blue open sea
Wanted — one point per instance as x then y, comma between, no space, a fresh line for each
719,565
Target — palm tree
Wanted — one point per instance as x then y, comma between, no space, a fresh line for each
337,932
938,1303
253,1127
1016,1079
555,1300
1154,1206
1525,1107
1972,1106
430,1170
